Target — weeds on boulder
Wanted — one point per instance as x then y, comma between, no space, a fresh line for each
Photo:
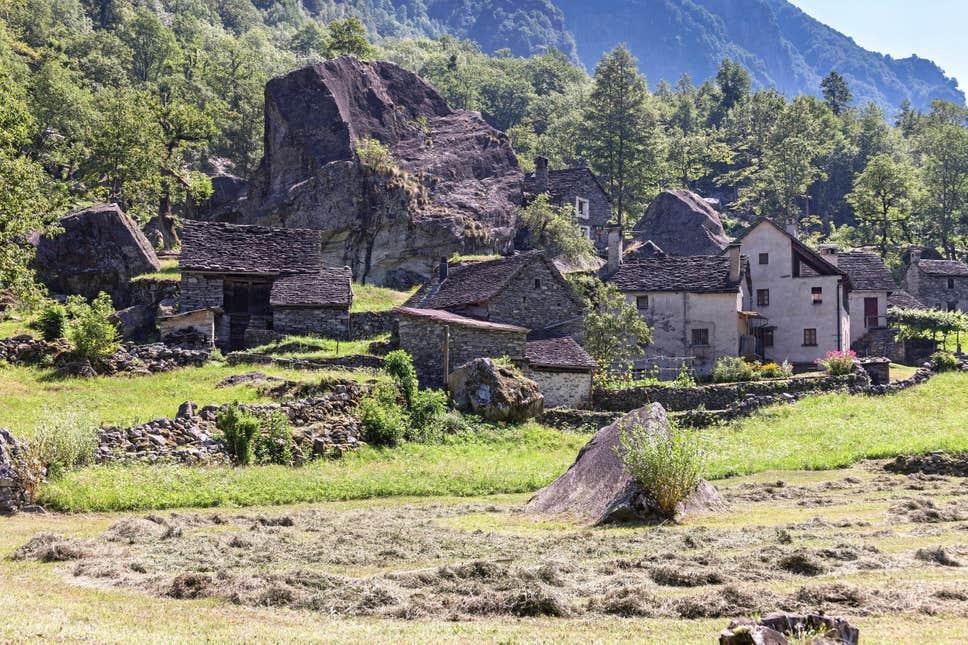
668,465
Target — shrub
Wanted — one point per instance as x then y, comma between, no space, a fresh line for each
399,365
63,440
838,363
90,331
684,378
52,321
667,465
732,369
429,406
238,428
943,361
273,441
770,370
384,421
374,155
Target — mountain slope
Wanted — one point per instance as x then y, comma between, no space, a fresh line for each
782,47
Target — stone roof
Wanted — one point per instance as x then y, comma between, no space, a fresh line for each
904,300
676,273
448,318
566,184
947,268
558,353
327,288
866,271
231,248
476,282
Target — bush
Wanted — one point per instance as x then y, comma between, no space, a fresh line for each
399,365
52,321
90,331
238,428
684,378
667,465
374,155
774,370
732,369
273,441
63,440
429,406
384,421
943,361
838,363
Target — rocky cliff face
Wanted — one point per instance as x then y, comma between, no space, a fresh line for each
452,183
680,222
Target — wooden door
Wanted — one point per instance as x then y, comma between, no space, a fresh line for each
870,313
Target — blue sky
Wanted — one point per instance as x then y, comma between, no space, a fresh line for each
933,29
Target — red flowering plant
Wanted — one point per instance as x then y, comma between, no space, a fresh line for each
838,363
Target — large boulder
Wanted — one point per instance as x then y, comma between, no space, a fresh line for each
452,183
13,495
99,249
598,488
680,222
494,392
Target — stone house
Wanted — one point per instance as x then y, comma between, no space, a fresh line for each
871,285
562,370
695,306
939,284
578,187
525,290
802,299
264,282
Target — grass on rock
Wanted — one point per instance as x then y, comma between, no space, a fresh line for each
367,297
169,271
314,347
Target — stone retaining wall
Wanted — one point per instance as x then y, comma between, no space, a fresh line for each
368,324
355,361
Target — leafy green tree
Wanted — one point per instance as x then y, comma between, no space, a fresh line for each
348,38
554,229
883,197
309,40
942,145
734,87
505,100
836,92
615,334
154,48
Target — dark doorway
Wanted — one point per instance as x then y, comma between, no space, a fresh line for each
870,313
244,298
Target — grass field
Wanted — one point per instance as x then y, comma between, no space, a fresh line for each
367,297
169,271
313,347
13,327
824,432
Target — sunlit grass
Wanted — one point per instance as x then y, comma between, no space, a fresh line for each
367,297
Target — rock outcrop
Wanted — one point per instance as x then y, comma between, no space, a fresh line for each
780,627
598,487
494,392
680,222
13,494
99,249
451,182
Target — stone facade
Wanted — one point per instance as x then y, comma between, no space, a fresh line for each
369,324
562,389
200,291
199,323
538,299
578,188
939,284
332,322
422,335
878,341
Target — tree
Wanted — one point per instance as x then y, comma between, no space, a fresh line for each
620,134
554,230
615,334
734,87
942,144
153,46
348,38
836,92
692,155
309,40
883,196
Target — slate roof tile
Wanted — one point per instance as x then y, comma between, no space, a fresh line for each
231,248
866,271
560,353
691,273
326,288
949,268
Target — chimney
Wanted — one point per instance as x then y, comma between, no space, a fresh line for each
791,227
614,250
830,253
442,271
541,174
735,261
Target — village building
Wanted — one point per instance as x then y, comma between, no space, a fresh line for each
695,306
802,298
525,290
871,285
904,300
577,187
263,283
562,370
939,284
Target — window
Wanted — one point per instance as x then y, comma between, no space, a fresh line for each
816,294
700,336
767,338
951,283
764,258
586,231
762,297
581,208
642,303
810,337
537,283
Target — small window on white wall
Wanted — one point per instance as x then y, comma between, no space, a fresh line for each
581,208
586,231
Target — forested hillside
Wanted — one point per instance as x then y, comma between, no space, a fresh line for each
139,103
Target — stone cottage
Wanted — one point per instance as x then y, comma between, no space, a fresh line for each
871,287
563,371
802,296
263,282
577,187
525,290
695,306
939,284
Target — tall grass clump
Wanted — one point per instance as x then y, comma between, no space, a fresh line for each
666,464
238,428
90,330
733,369
63,440
52,320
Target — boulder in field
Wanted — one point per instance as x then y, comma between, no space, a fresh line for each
680,222
99,249
494,392
599,489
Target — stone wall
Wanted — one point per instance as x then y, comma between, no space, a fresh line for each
355,361
878,341
562,389
423,338
198,325
369,324
933,290
13,495
538,299
198,291
331,322
719,396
